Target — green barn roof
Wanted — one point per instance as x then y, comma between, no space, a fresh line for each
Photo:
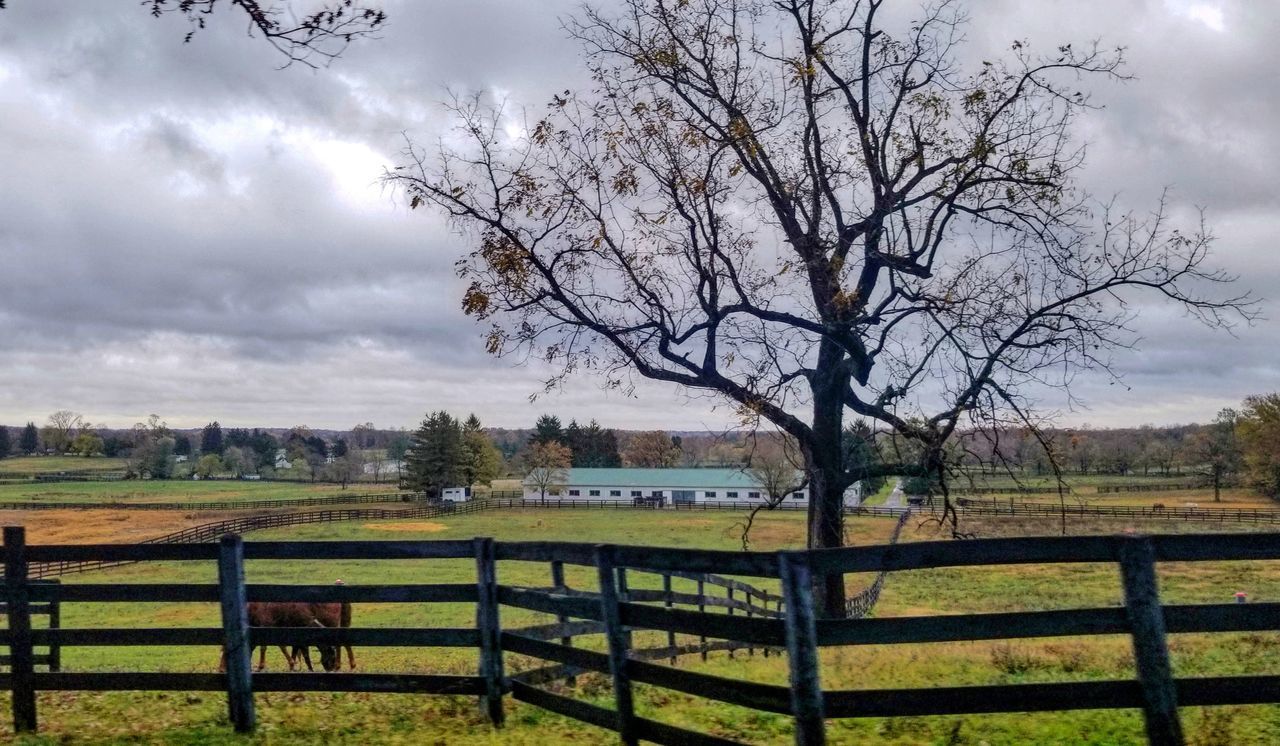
694,479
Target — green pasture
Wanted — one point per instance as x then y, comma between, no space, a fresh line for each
371,718
176,491
55,464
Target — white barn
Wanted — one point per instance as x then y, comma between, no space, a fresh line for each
674,486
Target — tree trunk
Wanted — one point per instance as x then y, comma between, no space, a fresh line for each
824,464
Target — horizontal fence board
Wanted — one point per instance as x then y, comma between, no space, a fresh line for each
692,599
368,682
1039,549
126,592
1076,695
128,682
571,708
767,697
1222,618
535,600
587,660
554,631
121,552
546,551
1082,695
945,628
445,637
742,629
452,637
420,593
652,730
1227,690
755,564
37,660
129,636
349,550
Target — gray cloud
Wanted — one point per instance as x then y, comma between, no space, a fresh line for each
186,230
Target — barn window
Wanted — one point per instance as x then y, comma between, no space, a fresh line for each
731,493
657,493
797,495
753,495
594,493
636,493
615,493
710,493
574,493
554,493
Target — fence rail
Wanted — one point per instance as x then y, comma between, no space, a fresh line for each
1209,515
298,502
618,610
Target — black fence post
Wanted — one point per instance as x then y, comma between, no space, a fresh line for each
802,649
237,647
21,654
624,595
490,630
557,580
669,601
617,639
702,607
1150,648
55,622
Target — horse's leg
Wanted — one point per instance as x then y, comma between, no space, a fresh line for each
305,652
222,664
287,656
351,657
262,658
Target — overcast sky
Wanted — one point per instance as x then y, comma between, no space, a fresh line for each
186,230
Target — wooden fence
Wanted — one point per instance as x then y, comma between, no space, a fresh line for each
620,611
1204,515
191,507
52,609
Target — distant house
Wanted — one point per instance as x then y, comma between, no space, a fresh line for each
673,486
282,459
180,459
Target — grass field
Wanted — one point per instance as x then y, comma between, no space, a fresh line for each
55,464
177,491
353,718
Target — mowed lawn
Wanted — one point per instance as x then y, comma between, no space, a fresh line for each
177,491
361,719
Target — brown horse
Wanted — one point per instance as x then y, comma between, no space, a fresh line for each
295,614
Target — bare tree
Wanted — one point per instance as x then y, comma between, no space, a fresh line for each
811,210
62,428
548,466
775,465
314,39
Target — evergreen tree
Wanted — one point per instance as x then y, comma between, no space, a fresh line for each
29,443
861,456
483,461
436,455
181,445
5,444
211,438
611,457
575,440
340,448
547,430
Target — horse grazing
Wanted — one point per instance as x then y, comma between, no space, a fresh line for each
293,614
334,615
